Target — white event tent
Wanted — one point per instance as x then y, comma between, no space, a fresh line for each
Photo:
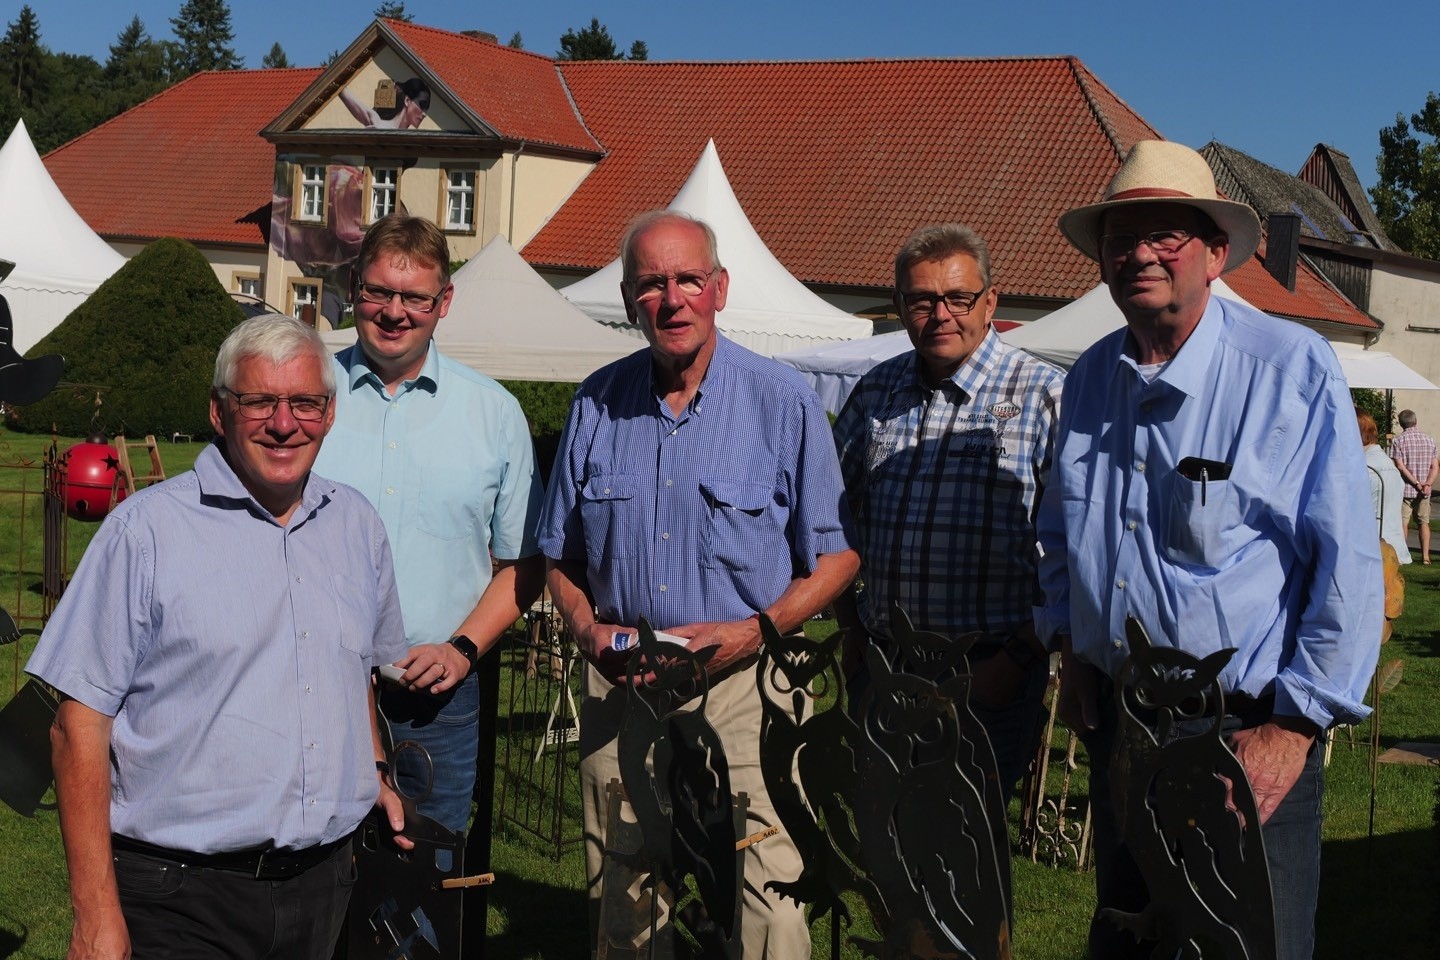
1061,337
507,322
767,309
59,260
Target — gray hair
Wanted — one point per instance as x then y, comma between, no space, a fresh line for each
942,241
1407,419
652,218
273,337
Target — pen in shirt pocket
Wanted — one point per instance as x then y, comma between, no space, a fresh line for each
1201,471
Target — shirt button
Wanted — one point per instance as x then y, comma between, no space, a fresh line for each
1116,644
307,688
662,588
1131,525
669,482
672,432
665,535
305,634
1120,584
1140,467
390,490
297,579
309,746
312,803
392,444
607,489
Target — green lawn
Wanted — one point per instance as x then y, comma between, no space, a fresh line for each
1377,900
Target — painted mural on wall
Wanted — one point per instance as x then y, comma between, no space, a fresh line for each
318,210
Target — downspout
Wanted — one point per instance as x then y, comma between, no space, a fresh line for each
514,164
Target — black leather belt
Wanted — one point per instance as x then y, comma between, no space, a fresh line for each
256,863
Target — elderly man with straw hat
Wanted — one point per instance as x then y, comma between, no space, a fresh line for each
1208,482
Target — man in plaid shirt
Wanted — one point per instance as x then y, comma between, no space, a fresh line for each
1414,456
945,451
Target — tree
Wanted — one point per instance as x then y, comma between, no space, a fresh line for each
393,10
591,43
138,68
639,50
203,31
23,58
276,57
1407,195
149,334
516,41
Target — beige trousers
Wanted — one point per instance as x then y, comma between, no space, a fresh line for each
770,927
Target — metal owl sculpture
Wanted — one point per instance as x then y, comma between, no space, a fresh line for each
1185,810
924,761
809,753
677,781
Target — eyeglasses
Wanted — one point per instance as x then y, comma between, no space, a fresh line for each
958,302
262,406
652,286
1165,243
411,300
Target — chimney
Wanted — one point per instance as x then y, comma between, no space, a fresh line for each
1282,247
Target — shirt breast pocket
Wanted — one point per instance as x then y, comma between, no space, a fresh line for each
1205,525
739,523
610,511
445,502
354,614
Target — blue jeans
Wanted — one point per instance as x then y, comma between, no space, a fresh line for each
1292,851
448,727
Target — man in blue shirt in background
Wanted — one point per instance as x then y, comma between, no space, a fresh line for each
696,486
1209,482
445,455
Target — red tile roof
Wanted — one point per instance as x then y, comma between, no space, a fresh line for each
518,94
836,162
186,163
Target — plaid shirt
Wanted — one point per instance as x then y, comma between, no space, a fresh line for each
944,485
1415,450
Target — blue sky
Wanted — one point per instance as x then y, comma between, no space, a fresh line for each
1271,79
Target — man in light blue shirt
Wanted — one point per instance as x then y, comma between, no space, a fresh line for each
696,486
1208,481
217,744
444,454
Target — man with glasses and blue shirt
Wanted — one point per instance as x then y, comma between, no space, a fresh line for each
1209,482
444,454
216,746
945,451
695,486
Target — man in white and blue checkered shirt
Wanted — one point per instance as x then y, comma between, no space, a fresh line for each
945,451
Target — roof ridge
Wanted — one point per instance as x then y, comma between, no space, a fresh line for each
639,64
1079,71
410,24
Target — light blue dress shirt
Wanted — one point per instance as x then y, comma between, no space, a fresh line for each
448,463
707,516
1279,561
234,655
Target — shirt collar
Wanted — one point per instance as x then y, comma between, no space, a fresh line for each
357,369
969,377
217,480
1189,369
721,357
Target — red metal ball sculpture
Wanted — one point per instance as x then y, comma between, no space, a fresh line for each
91,470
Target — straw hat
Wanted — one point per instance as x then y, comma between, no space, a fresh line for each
1157,171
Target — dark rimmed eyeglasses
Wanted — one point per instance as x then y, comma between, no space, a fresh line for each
1164,243
652,286
958,302
262,406
412,300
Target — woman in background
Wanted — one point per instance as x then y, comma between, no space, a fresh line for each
1386,487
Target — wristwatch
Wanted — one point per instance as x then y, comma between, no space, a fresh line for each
467,648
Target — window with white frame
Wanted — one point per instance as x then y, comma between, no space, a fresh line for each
383,184
460,200
312,192
304,293
250,286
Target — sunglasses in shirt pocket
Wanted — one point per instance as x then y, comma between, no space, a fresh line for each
1203,525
